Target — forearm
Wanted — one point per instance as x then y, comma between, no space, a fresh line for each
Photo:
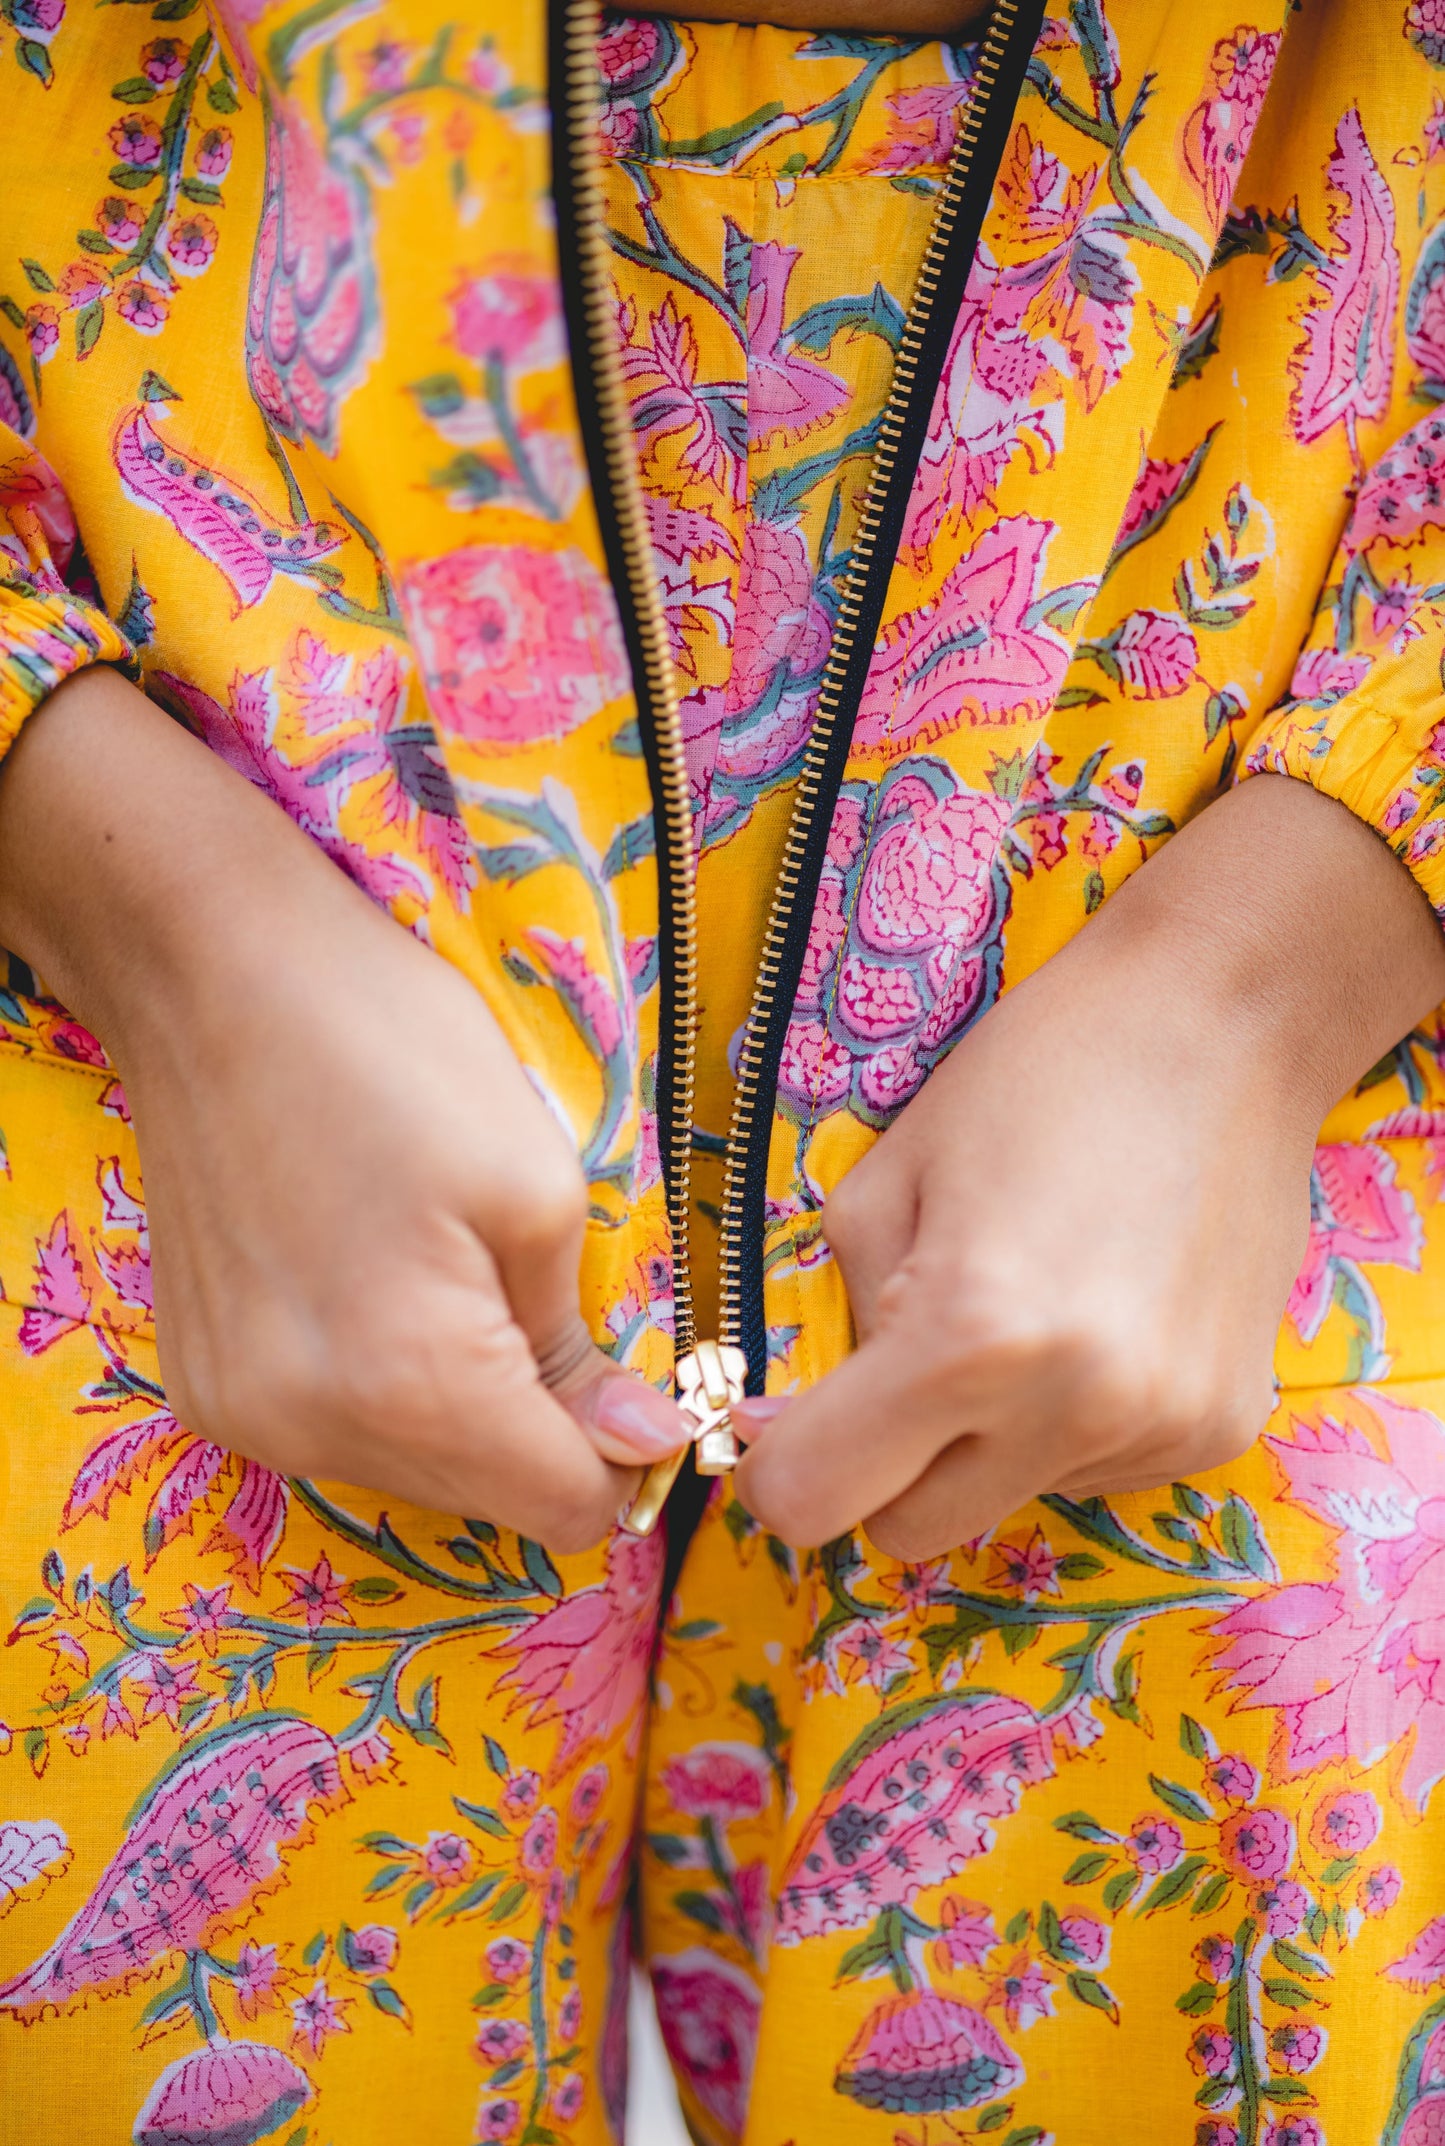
136,868
1293,946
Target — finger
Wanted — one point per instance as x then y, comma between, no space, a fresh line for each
971,1488
626,1420
856,1441
870,1223
538,1473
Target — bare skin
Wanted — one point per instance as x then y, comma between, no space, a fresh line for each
361,1275
874,18
1069,1257
366,1228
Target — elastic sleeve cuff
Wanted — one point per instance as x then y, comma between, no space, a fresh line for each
44,639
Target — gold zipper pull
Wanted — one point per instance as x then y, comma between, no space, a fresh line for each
709,1379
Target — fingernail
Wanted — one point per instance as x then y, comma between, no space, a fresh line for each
750,1417
642,1418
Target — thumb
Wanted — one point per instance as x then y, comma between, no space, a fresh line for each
626,1420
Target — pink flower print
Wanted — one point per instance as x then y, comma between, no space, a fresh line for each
498,2120
568,2096
788,393
1425,28
777,624
1212,2053
447,1858
1049,838
120,221
1343,367
1069,281
583,1665
507,1959
627,48
258,1971
539,1845
968,1935
1402,492
143,307
1321,677
1236,1780
1353,1665
1297,2047
38,19
200,1845
81,283
1346,1825
923,124
508,315
1293,2131
860,1644
136,139
1434,130
1086,1939
1214,1957
191,244
384,66
167,1685
1380,1889
1284,1906
724,1782
317,1596
520,1795
1359,1215
972,653
204,1615
708,2011
662,385
1216,2131
569,2016
587,1796
1218,132
619,129
1424,1964
516,645
500,2040
1154,1844
1257,1844
924,2053
222,2095
317,2016
908,1809
163,60
905,942
1023,1992
311,315
1154,654
373,1949
59,1298
42,332
1028,1569
213,153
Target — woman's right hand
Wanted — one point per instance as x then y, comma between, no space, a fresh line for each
365,1225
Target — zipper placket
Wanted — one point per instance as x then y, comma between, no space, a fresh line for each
712,1375
590,276
834,697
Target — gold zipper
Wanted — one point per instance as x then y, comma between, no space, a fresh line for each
830,695
711,1375
583,19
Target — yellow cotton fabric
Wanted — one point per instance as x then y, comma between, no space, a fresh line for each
318,1814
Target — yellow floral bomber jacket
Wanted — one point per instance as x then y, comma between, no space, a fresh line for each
350,400
742,543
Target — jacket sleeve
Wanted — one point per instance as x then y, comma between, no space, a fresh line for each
52,622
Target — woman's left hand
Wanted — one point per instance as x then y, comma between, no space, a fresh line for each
1069,1257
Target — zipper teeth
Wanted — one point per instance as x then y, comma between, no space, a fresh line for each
845,633
582,24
